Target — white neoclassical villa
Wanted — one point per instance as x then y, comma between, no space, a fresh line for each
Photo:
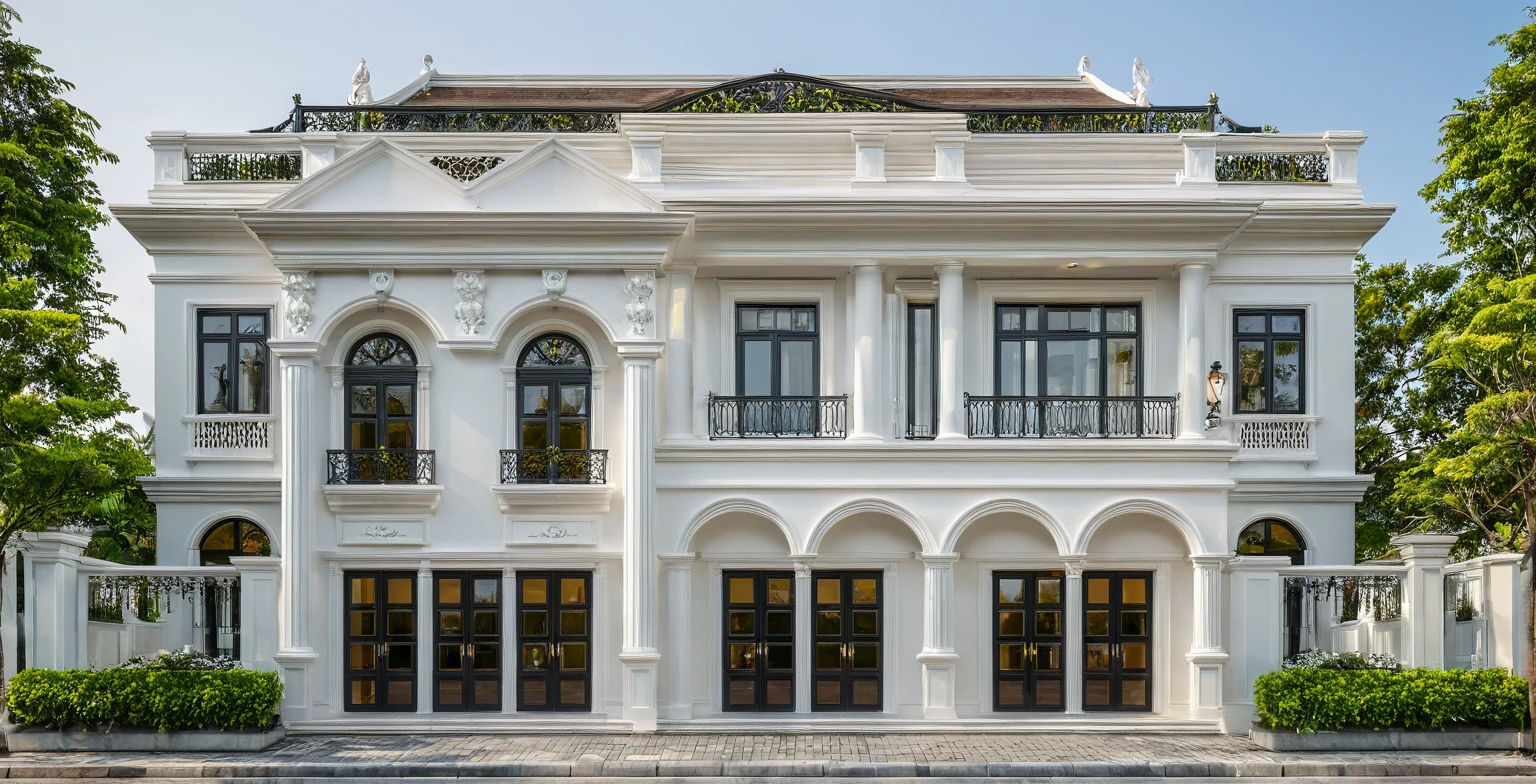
567,403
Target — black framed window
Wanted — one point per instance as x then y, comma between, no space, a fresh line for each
221,605
777,351
1273,537
1269,346
232,361
381,393
1068,350
554,379
922,370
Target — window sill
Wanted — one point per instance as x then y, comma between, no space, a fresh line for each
383,498
559,499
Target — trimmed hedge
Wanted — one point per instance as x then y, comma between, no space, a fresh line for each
165,700
1320,700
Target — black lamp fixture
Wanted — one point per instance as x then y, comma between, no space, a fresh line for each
1215,390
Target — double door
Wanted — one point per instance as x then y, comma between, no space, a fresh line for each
467,622
848,627
1027,633
759,645
380,670
554,638
1117,640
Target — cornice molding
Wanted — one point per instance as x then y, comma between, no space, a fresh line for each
1316,489
211,489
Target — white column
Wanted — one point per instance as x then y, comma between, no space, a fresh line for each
639,654
938,656
951,327
509,639
679,611
1206,656
1072,637
426,650
301,468
1423,609
804,602
680,353
868,283
1194,276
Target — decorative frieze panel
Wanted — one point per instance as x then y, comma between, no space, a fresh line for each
229,438
382,531
470,312
466,168
535,531
1277,433
298,301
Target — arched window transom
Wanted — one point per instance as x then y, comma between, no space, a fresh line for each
1272,537
232,537
554,351
382,350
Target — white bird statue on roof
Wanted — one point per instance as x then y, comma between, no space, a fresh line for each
361,92
1139,81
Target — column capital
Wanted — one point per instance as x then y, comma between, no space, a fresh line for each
680,269
678,560
639,353
1193,264
1210,559
866,265
1073,563
802,567
293,350
950,266
938,559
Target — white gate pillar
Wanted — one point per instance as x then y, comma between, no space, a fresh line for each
1423,610
56,613
639,655
1206,656
938,656
259,576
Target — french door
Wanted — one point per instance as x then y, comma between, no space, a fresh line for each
848,627
1117,639
759,641
554,640
467,621
1027,641
381,641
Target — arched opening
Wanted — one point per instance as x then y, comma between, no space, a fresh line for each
1272,537
381,393
221,605
554,413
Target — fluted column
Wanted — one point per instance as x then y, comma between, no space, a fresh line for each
804,602
639,654
1194,276
938,656
301,469
680,633
1206,657
951,330
425,626
868,285
680,354
1072,637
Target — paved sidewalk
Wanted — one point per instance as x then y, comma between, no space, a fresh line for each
760,755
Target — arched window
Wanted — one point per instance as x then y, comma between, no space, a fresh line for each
1272,537
230,538
554,380
381,393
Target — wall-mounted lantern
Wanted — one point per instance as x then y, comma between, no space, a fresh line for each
1215,391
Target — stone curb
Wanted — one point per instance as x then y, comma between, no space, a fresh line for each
769,769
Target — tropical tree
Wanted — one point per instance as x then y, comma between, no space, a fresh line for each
65,459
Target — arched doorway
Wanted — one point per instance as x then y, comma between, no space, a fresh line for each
221,606
1277,537
554,414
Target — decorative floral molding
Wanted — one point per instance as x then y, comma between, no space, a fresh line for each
381,531
640,285
552,531
554,282
383,282
298,301
470,285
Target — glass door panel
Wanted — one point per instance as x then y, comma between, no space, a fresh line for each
1117,638
380,662
467,635
847,628
759,640
554,637
1028,635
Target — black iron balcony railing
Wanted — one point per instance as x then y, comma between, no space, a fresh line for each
244,166
554,467
1071,417
778,417
381,467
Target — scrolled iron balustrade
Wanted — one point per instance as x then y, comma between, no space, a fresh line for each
746,416
419,119
1129,119
555,467
244,166
1272,167
381,467
1071,417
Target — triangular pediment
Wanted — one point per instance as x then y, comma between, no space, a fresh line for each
382,176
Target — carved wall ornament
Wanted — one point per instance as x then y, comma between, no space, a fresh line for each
383,282
298,301
466,168
382,531
552,531
554,282
640,285
470,286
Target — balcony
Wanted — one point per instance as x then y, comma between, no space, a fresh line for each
778,417
1277,437
1071,417
231,437
381,467
554,467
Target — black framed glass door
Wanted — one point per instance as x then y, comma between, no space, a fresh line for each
1027,634
467,621
1117,639
759,641
380,668
849,627
554,640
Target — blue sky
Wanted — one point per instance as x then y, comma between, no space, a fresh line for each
1390,69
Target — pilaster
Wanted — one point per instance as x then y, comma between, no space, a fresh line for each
1206,656
638,653
679,362
1072,631
679,634
298,460
804,601
938,656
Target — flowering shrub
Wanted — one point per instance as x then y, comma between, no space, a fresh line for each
180,661
1316,699
1349,660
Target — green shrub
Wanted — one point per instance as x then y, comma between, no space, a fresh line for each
162,699
1324,700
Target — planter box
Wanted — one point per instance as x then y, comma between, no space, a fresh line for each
137,739
1469,739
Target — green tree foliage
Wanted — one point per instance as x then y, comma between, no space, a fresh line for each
64,458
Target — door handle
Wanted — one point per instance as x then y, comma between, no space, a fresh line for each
469,651
560,650
549,650
381,650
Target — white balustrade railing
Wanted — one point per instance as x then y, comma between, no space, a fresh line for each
247,437
1275,433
